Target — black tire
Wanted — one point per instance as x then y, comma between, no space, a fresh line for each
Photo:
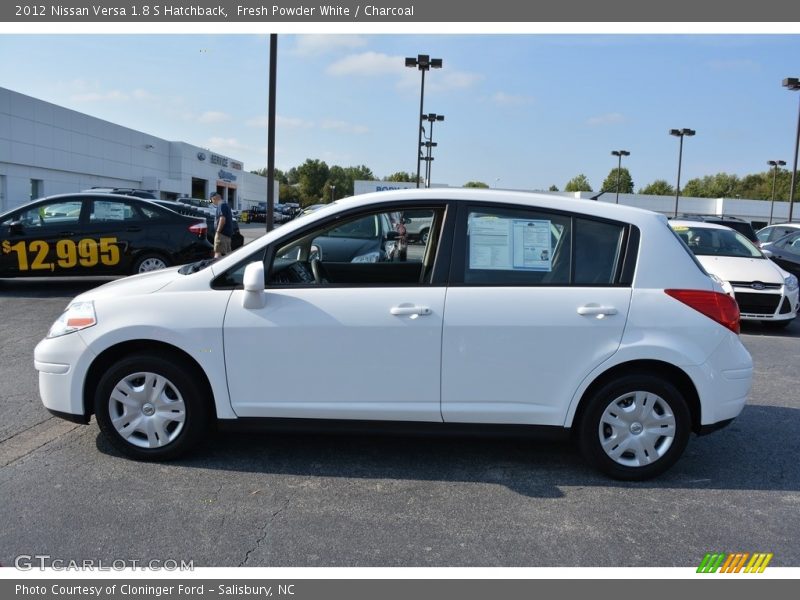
149,261
158,426
636,450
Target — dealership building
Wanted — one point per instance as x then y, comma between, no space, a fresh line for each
47,149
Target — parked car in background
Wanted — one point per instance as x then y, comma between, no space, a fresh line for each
418,225
237,239
609,332
771,233
763,290
740,225
785,252
97,234
146,194
198,204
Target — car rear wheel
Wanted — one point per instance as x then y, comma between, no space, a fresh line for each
635,427
150,407
149,262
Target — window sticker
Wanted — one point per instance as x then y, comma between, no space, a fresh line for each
509,244
109,211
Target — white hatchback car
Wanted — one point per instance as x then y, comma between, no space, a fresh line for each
763,290
522,313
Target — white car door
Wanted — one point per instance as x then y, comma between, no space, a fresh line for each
529,314
339,350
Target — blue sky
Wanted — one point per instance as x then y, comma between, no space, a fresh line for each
521,111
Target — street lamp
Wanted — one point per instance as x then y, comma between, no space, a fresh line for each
680,133
620,154
333,189
793,84
423,62
429,144
776,164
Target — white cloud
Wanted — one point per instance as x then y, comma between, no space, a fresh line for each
315,45
212,116
607,119
344,126
371,64
223,145
283,122
503,99
109,96
367,64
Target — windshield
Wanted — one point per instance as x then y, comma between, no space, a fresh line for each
705,241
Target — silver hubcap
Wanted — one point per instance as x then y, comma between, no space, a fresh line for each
147,410
637,429
152,264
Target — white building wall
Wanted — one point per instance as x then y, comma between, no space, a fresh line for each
70,151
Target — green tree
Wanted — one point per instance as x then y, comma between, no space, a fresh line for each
312,176
579,183
625,181
658,188
289,193
338,185
720,185
280,176
400,176
475,184
553,188
360,173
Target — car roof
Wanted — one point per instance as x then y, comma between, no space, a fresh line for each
792,225
533,199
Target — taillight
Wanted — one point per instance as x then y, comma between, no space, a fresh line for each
719,307
199,229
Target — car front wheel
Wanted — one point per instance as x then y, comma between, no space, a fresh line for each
150,407
635,427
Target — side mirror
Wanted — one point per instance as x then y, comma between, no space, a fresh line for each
254,294
766,253
315,253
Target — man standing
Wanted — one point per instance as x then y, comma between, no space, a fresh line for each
223,226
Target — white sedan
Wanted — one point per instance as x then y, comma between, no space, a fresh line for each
523,313
763,290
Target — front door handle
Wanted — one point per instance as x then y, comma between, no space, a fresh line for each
597,310
409,309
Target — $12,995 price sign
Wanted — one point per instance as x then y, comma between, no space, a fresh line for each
33,255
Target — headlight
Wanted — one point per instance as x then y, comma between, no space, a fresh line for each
790,282
369,257
726,286
77,316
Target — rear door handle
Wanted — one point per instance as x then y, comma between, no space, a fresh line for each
597,310
407,309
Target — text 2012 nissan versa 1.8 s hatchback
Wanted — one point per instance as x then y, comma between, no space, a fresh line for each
521,312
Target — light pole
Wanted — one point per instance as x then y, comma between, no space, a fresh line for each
429,144
620,154
680,133
793,84
775,164
423,62
333,189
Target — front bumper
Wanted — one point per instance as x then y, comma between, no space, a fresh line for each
62,363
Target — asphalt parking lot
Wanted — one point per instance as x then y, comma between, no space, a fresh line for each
310,500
